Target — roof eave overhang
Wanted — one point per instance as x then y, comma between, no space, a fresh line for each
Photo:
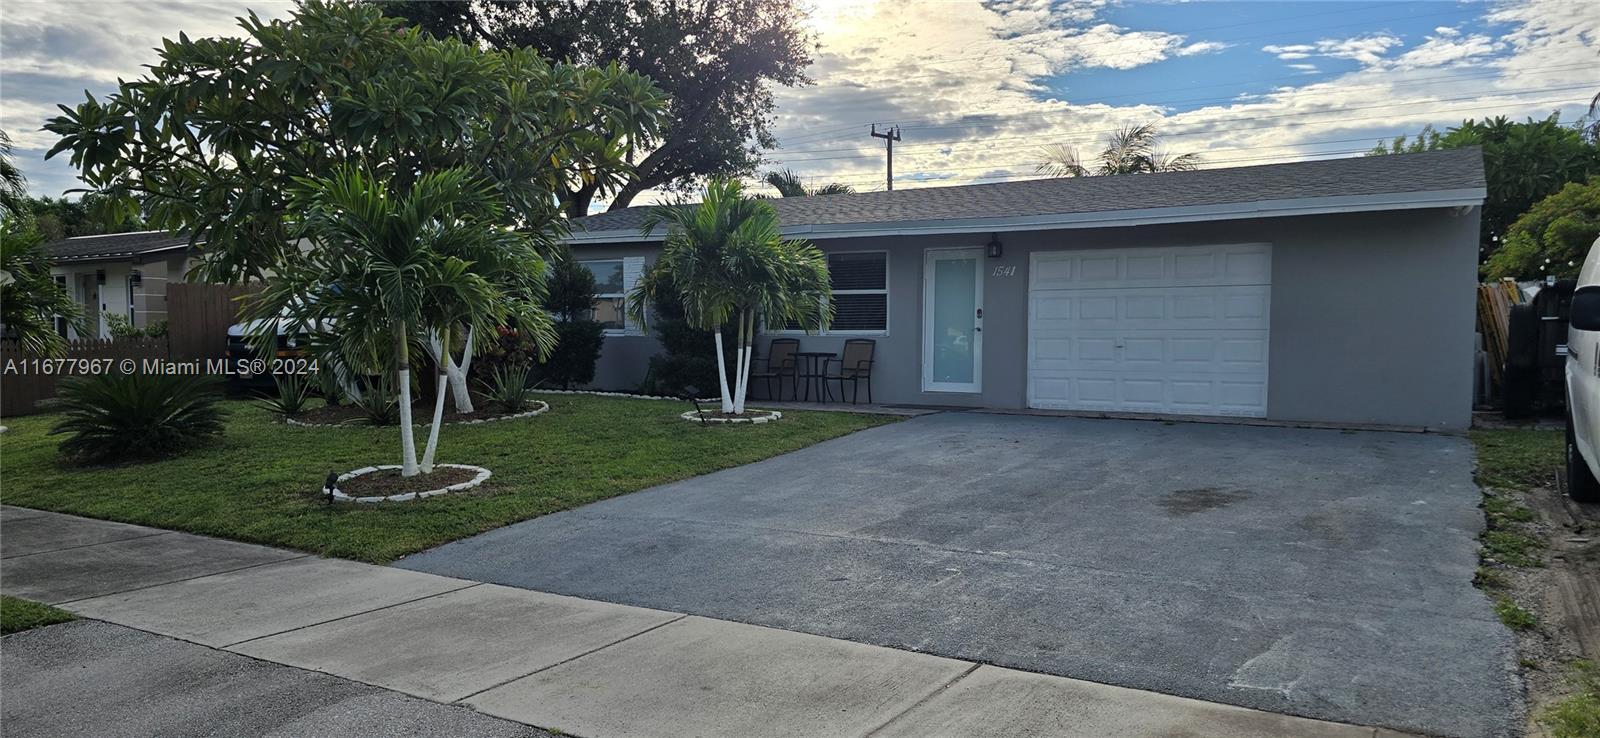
120,256
1466,197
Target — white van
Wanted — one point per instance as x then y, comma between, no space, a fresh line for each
1583,383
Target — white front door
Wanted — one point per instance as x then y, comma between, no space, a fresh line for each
952,320
1160,330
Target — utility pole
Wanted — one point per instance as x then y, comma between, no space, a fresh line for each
889,137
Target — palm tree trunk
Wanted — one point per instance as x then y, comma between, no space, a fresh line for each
457,375
722,370
738,366
408,439
438,403
747,330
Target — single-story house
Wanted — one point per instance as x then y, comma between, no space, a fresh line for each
119,274
1337,291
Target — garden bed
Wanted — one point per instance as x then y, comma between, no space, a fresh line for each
484,412
376,484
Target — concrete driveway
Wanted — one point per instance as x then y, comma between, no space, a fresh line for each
1313,572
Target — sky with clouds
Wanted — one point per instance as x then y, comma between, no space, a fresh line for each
979,88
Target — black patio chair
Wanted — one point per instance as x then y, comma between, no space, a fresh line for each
855,367
779,363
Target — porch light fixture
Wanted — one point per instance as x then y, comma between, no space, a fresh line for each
994,249
136,278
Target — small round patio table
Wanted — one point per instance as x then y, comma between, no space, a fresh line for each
810,368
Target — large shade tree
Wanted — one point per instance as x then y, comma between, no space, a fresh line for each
1129,150
728,264
718,60
1523,163
211,140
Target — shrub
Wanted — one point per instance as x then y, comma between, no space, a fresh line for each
111,417
577,351
578,338
290,400
508,387
1552,237
379,401
120,327
689,356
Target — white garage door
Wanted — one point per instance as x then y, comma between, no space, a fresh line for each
1168,330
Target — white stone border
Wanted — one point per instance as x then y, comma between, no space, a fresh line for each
620,394
483,476
543,408
770,416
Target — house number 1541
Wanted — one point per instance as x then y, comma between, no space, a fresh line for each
1004,271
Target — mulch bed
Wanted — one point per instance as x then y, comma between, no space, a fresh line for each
421,413
385,482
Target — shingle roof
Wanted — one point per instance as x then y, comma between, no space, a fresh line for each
1456,169
113,245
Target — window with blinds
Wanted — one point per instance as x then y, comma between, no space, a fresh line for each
860,282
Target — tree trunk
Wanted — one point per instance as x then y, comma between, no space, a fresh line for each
438,403
722,370
457,374
747,326
408,439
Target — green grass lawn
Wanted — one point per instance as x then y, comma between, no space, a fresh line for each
17,614
260,482
1518,459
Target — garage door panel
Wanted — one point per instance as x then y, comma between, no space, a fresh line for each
1151,330
1247,264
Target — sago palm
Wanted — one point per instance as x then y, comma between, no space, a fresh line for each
727,262
386,272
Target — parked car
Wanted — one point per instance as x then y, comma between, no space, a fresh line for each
1583,383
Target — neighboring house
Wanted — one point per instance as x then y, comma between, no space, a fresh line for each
119,273
1338,290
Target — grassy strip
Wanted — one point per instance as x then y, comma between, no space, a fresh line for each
1511,463
260,482
1577,716
17,615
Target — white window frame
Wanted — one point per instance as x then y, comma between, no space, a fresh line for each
622,267
888,305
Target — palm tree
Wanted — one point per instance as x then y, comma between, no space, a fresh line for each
13,186
388,272
30,299
788,184
1131,150
727,262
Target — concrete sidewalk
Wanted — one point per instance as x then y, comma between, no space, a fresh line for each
583,667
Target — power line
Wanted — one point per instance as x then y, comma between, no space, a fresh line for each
1089,135
1003,165
976,120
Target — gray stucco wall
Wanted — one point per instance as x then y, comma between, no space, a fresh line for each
1372,314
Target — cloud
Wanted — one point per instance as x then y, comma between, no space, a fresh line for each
1364,49
1307,68
1203,47
56,50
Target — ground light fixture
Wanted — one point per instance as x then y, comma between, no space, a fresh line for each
691,393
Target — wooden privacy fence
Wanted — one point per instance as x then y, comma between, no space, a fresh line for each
26,379
198,316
